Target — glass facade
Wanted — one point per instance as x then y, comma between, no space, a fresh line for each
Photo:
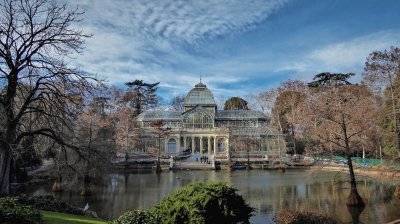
198,120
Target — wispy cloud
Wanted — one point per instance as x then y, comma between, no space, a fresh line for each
159,40
353,53
346,56
178,20
236,46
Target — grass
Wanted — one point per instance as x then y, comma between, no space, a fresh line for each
55,217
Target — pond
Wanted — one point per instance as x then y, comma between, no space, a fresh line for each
266,191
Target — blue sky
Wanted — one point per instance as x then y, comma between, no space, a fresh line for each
238,47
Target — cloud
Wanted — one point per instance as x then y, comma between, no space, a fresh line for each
178,20
159,41
345,56
354,52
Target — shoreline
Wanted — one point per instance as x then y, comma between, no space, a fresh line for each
377,174
43,176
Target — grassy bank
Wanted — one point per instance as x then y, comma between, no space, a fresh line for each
55,217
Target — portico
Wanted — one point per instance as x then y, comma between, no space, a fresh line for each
203,143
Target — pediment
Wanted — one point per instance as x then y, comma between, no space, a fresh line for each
197,109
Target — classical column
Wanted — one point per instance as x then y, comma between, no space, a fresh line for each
178,145
215,145
184,142
209,145
192,144
201,144
227,146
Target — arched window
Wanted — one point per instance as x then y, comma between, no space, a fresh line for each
198,120
221,145
171,146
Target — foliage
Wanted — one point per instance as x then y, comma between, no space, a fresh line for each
49,203
388,122
57,218
236,103
339,117
194,203
13,212
139,217
330,79
290,95
381,74
141,95
204,203
289,216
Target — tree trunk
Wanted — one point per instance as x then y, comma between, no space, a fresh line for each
354,199
396,128
355,213
5,163
397,191
86,191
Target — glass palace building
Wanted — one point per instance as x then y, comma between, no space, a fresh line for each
202,128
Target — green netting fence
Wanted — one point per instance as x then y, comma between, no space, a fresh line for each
362,162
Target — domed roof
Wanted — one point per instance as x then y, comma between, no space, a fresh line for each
199,95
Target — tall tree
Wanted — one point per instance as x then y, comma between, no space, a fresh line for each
289,96
141,95
330,79
235,103
341,115
37,36
380,72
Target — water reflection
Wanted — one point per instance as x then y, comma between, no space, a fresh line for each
355,213
266,191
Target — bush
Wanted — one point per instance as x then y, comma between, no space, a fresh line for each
138,217
13,212
204,203
289,216
49,203
194,203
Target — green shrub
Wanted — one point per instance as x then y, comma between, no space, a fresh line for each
289,216
204,203
13,212
138,217
49,203
194,203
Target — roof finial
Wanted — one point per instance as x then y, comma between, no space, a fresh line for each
200,78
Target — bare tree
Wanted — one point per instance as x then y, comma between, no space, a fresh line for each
341,115
38,38
160,130
380,72
177,102
290,95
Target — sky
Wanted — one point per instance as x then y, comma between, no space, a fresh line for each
237,47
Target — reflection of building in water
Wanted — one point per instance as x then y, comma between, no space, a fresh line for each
202,128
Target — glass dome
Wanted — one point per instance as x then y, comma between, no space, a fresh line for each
199,95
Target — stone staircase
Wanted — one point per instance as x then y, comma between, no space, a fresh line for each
193,163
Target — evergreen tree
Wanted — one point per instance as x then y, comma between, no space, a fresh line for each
236,103
141,95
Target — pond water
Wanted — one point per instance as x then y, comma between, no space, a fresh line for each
266,191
